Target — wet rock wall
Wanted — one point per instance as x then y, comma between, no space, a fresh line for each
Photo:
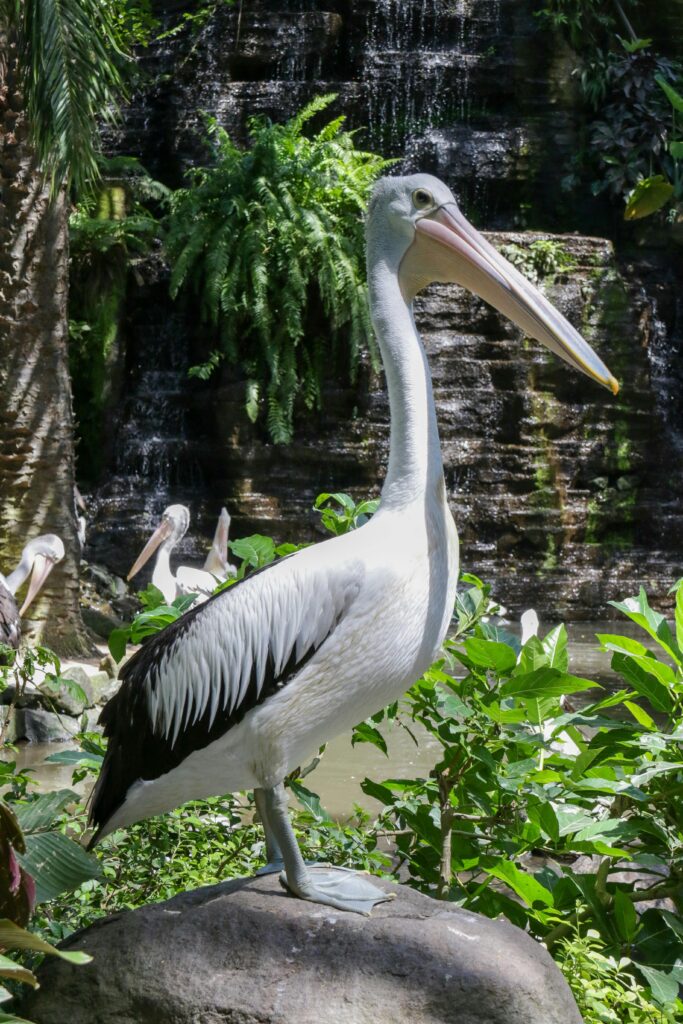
565,497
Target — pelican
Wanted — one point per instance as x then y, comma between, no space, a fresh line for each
237,692
38,559
217,559
186,580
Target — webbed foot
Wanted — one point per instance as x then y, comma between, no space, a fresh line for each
340,888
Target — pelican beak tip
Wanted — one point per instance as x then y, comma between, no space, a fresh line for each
613,385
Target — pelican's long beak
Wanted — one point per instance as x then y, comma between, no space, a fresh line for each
162,531
42,567
448,248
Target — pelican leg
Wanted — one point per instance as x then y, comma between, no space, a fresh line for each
273,851
333,887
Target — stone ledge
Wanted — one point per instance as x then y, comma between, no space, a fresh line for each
245,951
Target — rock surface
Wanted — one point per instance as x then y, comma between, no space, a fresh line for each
245,952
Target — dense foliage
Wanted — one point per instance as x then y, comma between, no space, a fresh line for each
271,240
635,151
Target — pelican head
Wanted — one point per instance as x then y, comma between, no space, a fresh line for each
172,528
42,554
415,221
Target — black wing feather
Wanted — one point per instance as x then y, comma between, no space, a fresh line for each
137,749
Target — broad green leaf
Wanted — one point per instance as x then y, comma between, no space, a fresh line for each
40,813
12,936
74,757
674,97
490,654
311,801
622,644
366,733
608,828
659,768
10,969
118,638
532,657
544,816
664,986
555,647
643,682
676,150
377,791
649,195
525,885
57,864
256,550
544,682
639,611
641,716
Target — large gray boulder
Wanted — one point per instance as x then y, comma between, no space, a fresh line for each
245,952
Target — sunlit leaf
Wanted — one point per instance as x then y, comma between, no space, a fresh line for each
14,937
649,195
525,885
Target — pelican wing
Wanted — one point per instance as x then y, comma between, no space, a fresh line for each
191,683
10,632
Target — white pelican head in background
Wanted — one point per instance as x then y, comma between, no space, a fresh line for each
238,692
174,524
38,559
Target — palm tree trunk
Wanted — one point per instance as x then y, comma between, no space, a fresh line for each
36,418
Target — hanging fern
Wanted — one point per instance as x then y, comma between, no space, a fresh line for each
267,236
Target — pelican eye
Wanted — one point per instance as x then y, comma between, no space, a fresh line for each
422,199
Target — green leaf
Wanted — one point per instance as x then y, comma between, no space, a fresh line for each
490,654
118,638
641,716
544,682
649,195
17,972
524,885
674,97
57,864
311,801
642,682
14,937
679,615
555,647
676,150
74,757
256,550
545,817
366,733
639,611
377,791
40,813
626,916
664,986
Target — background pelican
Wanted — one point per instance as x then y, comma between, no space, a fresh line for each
217,559
186,579
38,559
239,691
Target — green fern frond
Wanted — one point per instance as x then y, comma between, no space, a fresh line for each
269,237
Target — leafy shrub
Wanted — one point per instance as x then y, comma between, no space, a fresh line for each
271,239
521,772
